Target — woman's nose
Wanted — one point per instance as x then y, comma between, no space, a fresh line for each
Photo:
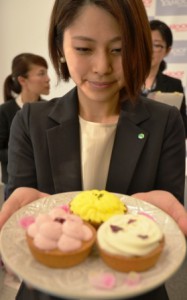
102,63
48,78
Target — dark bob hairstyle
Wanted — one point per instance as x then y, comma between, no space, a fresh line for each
135,32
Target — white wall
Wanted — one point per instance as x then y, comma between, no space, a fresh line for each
24,28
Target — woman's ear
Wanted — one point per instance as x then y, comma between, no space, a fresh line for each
21,80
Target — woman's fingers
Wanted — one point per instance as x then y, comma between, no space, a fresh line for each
168,203
19,198
7,210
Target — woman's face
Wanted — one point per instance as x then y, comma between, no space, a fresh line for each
37,81
92,49
160,49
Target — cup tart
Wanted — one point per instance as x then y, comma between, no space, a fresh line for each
130,242
96,206
59,239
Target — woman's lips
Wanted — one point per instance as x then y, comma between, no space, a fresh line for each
100,85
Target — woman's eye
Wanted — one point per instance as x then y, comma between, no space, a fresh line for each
116,51
82,49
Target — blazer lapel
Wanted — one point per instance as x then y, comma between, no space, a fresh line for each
128,145
64,145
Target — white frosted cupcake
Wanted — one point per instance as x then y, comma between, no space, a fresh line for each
130,242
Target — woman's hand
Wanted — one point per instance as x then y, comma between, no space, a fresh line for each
168,203
162,199
20,197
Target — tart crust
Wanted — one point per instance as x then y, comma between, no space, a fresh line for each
136,263
58,259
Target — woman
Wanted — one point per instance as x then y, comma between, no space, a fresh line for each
162,39
101,134
27,82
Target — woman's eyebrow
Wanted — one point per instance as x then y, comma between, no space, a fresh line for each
157,40
88,39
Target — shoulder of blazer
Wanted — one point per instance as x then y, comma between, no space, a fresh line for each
9,109
145,109
59,109
9,105
167,83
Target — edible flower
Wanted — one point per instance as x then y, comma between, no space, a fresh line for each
105,281
25,222
133,278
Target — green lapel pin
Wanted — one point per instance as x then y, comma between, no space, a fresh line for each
141,136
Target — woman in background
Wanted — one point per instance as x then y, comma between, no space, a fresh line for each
162,39
27,82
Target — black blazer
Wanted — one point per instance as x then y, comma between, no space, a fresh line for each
168,84
44,148
148,153
7,113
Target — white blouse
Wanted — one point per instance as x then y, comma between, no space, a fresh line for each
19,101
97,141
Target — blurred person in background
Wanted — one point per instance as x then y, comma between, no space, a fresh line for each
162,39
27,82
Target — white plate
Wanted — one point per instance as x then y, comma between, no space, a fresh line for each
74,282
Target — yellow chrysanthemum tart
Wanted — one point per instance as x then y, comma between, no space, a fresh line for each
96,206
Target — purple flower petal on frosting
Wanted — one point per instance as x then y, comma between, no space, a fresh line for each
131,221
60,220
143,237
115,228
